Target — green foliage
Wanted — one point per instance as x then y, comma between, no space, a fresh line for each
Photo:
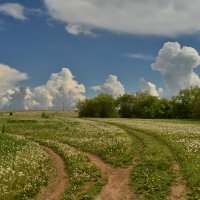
101,106
126,105
145,102
142,105
162,108
187,103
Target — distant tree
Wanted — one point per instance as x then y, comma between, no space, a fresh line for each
142,105
135,105
101,106
126,104
187,103
145,102
162,108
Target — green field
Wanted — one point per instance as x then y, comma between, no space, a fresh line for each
155,147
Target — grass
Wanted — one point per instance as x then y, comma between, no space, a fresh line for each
182,138
154,145
152,176
109,142
24,168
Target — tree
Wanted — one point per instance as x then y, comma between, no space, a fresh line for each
162,108
101,106
187,103
125,105
145,102
135,105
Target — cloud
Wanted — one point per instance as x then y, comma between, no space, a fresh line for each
14,10
60,88
177,65
139,56
5,98
19,98
111,86
9,77
167,18
75,29
149,87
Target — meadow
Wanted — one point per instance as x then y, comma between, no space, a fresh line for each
164,155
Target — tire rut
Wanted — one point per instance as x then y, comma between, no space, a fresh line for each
117,187
178,189
57,182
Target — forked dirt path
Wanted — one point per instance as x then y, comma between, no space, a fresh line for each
118,181
178,189
57,182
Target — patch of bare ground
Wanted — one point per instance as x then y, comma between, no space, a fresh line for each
57,181
178,189
118,181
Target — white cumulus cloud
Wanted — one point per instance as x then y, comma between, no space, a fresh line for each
177,65
15,99
111,86
168,18
14,10
149,87
60,88
9,77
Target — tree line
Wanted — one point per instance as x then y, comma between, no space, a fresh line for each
185,105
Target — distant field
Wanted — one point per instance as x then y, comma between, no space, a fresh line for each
163,155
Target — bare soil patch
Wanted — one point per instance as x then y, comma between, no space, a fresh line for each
178,189
118,181
57,181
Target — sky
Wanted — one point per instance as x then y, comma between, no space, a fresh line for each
67,50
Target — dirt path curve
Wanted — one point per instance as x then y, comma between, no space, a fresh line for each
118,181
178,189
57,182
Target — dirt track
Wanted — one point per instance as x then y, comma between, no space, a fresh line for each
118,181
178,189
57,182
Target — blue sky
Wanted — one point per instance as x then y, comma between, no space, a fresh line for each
40,46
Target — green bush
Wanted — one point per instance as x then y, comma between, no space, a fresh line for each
101,106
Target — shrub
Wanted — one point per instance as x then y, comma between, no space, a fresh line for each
101,106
